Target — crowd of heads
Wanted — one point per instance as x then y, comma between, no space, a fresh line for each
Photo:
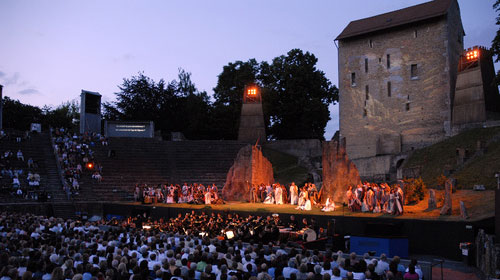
38,247
19,173
76,158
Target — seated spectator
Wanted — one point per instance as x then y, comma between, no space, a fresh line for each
31,163
20,155
15,182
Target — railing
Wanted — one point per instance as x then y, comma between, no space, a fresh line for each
58,164
434,263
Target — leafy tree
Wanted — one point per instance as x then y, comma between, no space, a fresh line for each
63,115
228,96
173,106
296,96
19,116
495,44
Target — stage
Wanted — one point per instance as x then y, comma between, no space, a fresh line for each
439,236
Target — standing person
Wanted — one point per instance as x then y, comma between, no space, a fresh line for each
278,194
294,191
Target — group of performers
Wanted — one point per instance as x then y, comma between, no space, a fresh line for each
370,197
233,226
163,193
305,197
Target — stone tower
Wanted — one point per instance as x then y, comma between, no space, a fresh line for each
397,76
252,127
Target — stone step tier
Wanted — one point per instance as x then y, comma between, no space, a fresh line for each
153,162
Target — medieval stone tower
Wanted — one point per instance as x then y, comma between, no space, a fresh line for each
397,75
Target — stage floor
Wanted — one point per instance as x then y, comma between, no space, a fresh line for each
480,205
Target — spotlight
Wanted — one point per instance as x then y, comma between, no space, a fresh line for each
90,165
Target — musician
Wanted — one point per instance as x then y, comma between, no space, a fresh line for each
293,224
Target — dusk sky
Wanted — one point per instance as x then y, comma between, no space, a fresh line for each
51,50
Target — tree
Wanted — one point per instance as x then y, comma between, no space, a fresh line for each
19,116
295,96
495,44
62,116
173,106
228,95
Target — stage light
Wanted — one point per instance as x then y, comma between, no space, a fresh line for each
90,165
472,55
146,227
252,92
230,234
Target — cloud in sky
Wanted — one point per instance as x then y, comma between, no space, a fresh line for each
29,91
8,80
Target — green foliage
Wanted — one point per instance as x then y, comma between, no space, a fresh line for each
173,106
495,44
415,190
19,116
63,115
228,95
286,168
295,95
433,159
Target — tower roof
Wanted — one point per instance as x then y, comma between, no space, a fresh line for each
400,17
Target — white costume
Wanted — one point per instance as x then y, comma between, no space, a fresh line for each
329,206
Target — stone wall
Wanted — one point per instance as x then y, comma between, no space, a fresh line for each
298,147
338,171
250,168
416,109
374,168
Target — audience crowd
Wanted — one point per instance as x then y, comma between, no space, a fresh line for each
75,156
19,173
37,247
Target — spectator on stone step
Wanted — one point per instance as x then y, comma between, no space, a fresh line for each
20,155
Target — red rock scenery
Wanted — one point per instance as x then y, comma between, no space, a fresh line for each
338,171
249,168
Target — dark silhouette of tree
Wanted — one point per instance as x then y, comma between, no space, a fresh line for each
495,44
295,94
174,106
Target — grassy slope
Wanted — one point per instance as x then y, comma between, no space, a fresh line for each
433,159
285,167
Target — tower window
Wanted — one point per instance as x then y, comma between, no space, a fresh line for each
367,91
415,33
389,89
408,106
414,71
370,43
365,112
388,61
366,65
353,79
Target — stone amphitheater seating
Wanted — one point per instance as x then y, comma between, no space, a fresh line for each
39,148
139,161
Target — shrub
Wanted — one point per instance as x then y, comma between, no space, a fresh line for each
441,180
415,190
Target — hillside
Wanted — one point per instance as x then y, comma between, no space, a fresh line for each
286,168
480,168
